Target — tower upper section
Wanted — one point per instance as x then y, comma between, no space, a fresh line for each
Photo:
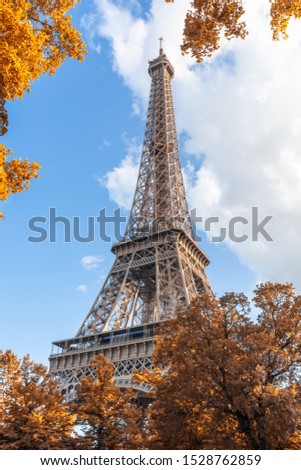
159,62
160,200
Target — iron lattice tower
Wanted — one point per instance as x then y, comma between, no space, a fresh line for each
158,266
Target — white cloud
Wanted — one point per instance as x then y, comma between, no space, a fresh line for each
82,288
89,23
91,262
121,181
240,109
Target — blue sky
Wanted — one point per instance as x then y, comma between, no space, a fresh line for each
85,125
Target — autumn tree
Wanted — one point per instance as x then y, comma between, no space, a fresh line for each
109,417
36,37
224,382
15,175
207,21
32,413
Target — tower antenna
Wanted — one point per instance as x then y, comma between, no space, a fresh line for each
161,46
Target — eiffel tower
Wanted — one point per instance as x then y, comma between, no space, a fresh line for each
158,265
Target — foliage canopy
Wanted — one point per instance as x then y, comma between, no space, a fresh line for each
32,413
36,37
15,175
207,21
108,416
225,382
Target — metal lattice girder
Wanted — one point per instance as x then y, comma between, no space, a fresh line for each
70,378
150,278
158,266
